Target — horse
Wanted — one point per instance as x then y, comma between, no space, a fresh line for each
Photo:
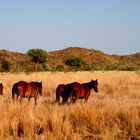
59,91
76,91
27,90
62,90
1,89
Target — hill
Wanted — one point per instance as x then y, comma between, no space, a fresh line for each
96,59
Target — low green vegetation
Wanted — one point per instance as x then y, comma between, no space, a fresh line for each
5,66
76,63
38,56
69,59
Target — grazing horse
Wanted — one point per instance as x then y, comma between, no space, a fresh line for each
27,90
1,89
79,91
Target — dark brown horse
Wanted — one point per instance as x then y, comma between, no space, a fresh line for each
76,91
1,89
27,90
61,91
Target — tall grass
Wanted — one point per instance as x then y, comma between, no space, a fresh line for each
111,114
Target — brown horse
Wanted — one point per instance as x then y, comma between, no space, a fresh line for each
1,89
27,90
61,91
76,91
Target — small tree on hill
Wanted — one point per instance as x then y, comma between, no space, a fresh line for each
38,56
6,65
59,68
75,62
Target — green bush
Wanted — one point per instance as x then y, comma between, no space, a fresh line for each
74,62
38,56
46,67
128,68
59,68
111,67
6,66
97,66
86,67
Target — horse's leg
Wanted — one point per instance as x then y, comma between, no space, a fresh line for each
13,97
72,99
35,100
29,98
15,94
21,98
57,98
63,100
17,97
67,99
86,97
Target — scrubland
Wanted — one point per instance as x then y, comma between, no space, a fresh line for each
111,114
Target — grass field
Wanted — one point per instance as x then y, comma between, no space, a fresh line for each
111,114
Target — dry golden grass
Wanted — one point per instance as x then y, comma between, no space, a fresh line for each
111,114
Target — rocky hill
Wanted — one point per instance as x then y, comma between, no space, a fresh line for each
96,59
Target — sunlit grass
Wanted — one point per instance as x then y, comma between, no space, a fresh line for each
112,113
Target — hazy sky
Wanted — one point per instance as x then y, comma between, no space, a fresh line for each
112,26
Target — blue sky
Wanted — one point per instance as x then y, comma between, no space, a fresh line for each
112,26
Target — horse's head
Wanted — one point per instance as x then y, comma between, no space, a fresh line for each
95,85
1,89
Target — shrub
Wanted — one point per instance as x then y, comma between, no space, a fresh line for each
86,67
6,66
128,68
59,68
74,62
46,67
38,56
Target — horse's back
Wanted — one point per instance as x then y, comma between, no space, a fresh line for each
77,86
19,88
22,83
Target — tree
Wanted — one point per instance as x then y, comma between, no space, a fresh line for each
6,65
59,68
38,56
75,62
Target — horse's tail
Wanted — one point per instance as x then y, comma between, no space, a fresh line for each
68,92
14,90
58,94
72,94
